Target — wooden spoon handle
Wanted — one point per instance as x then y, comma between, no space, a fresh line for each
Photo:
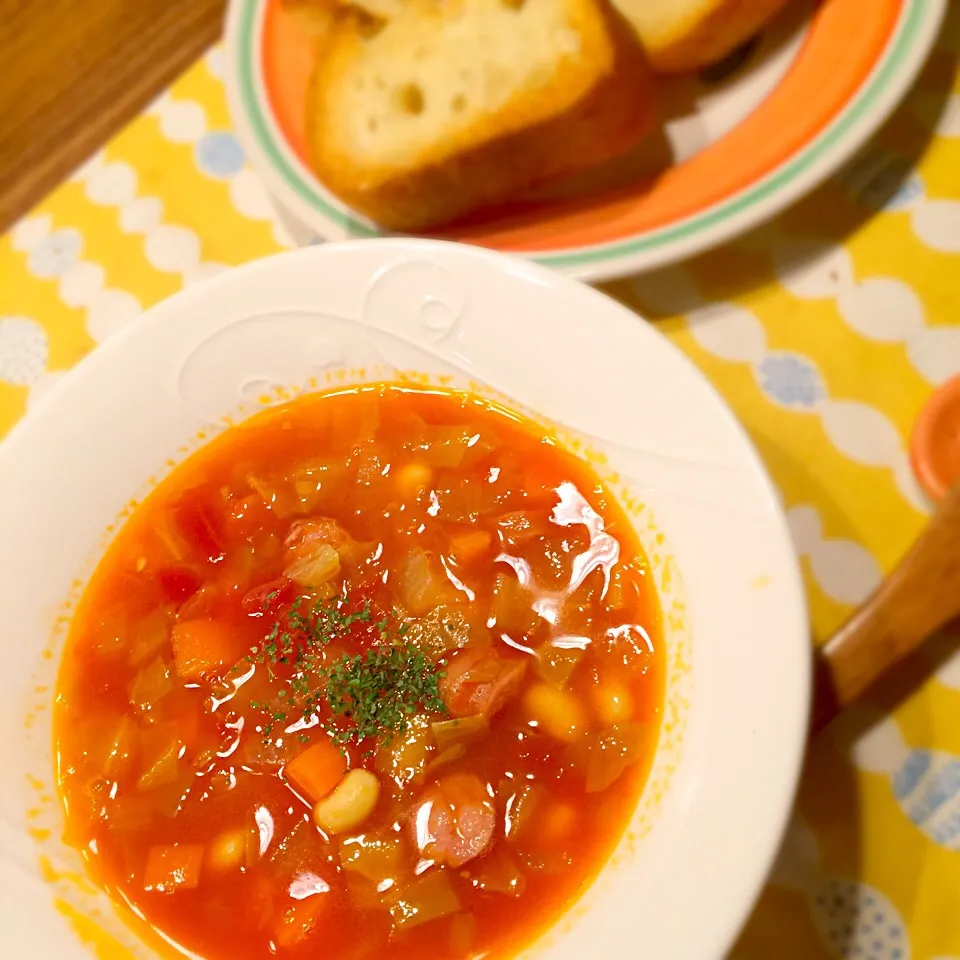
918,598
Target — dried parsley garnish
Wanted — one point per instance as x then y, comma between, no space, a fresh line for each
378,691
381,690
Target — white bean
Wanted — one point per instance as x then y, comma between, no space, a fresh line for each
231,850
556,711
413,479
614,703
350,803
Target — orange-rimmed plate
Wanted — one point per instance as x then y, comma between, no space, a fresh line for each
735,148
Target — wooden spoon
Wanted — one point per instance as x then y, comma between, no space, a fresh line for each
919,597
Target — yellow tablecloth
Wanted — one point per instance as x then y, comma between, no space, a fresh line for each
826,331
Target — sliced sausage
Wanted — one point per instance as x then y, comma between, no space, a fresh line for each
480,681
455,820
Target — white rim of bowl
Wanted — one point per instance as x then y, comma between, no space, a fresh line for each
792,727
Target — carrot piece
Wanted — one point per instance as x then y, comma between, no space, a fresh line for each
299,920
317,770
557,822
202,647
174,867
471,547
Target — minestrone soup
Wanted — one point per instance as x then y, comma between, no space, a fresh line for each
376,674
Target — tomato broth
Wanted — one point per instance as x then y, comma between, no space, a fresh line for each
377,673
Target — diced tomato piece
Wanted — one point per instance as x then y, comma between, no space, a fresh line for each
316,771
455,820
269,597
203,647
173,867
197,523
479,681
178,584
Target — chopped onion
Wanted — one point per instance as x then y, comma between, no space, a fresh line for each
520,804
306,536
171,538
150,685
111,740
162,768
443,446
429,897
357,553
237,568
405,756
511,609
278,495
150,636
129,813
363,893
173,867
443,630
521,526
497,872
421,589
463,932
121,747
454,752
321,566
464,501
447,732
453,446
316,484
376,856
556,664
111,632
621,590
613,750
204,758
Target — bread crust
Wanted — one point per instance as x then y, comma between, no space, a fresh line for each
706,33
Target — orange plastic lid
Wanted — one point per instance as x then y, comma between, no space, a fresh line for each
935,445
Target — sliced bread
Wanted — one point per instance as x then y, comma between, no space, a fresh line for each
450,106
683,35
314,18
